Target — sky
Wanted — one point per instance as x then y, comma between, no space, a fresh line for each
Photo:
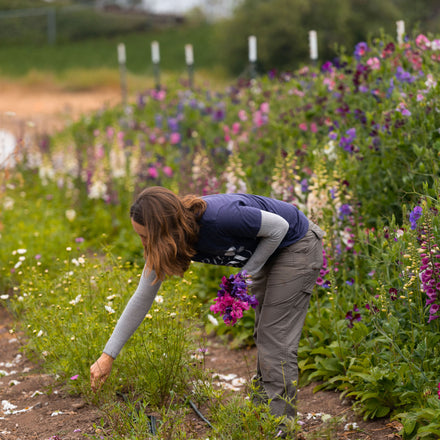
173,5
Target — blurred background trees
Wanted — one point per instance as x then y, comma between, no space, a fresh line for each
219,28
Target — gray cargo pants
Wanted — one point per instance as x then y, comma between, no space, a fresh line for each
283,287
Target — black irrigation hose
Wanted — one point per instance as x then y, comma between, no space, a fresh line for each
193,406
152,419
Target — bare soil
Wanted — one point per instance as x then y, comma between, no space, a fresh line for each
33,406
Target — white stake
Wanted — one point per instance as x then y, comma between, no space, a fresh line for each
253,49
400,31
121,53
189,56
155,55
313,44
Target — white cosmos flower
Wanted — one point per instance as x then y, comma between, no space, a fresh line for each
4,297
76,300
17,264
21,251
70,215
109,309
212,320
159,299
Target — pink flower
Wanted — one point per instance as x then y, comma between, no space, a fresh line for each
264,107
313,127
74,377
422,42
303,126
242,115
374,63
258,118
152,172
167,171
236,127
174,138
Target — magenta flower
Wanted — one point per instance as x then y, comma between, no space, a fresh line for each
233,298
174,138
167,171
74,377
152,173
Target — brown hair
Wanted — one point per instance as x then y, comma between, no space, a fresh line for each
172,228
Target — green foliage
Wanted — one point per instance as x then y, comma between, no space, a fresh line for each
354,146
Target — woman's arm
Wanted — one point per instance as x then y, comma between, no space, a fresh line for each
272,231
131,318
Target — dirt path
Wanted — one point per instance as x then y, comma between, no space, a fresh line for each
33,407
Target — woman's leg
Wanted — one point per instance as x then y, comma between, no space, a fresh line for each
283,289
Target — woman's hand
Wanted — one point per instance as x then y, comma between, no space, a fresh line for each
100,371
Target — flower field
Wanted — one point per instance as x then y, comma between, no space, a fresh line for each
355,144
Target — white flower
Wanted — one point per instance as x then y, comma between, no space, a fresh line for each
76,300
40,333
70,215
75,261
4,297
21,251
17,265
98,190
351,426
22,258
159,299
8,203
81,260
109,309
212,320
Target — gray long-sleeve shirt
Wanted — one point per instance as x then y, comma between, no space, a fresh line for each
272,231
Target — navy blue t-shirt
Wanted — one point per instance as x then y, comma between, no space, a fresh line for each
230,224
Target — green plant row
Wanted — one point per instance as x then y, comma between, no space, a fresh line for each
355,145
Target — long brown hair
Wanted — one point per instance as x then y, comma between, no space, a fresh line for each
171,228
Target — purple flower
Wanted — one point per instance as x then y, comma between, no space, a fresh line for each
304,185
173,124
233,298
414,215
344,210
360,50
327,67
352,316
393,293
403,76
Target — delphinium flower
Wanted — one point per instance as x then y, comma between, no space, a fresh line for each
233,298
414,215
352,316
